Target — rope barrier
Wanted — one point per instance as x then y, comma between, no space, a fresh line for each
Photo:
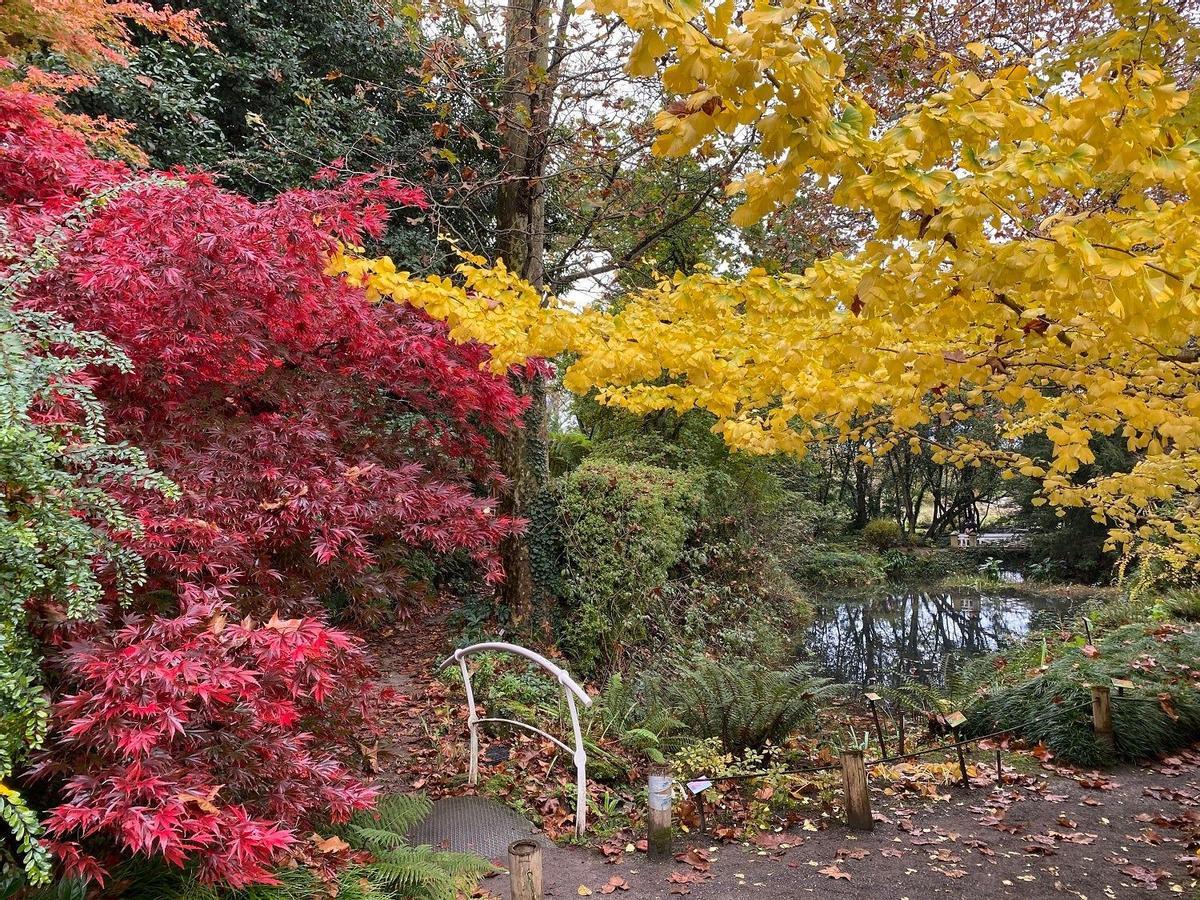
745,776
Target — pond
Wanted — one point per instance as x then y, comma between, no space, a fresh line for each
913,632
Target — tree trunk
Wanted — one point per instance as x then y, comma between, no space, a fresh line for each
862,489
520,242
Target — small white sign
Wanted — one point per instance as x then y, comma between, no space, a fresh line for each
697,787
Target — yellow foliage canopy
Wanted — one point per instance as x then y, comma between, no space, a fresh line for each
1035,260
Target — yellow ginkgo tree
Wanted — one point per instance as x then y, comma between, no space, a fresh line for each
1035,258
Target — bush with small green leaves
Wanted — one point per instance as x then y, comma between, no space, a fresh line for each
623,526
824,565
883,534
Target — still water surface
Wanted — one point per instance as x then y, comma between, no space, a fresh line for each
916,633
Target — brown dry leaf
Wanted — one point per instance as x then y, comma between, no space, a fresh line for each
700,860
616,883
1148,877
331,845
204,802
832,871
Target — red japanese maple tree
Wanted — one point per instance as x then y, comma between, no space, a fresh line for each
318,441
190,736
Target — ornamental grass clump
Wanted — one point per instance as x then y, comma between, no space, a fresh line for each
1160,714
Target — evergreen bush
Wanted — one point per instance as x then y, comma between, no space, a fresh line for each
883,534
623,526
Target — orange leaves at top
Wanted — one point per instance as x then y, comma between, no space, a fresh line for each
87,32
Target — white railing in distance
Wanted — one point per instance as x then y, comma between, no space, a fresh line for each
571,691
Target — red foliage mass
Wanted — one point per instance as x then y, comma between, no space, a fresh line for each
318,441
187,736
309,430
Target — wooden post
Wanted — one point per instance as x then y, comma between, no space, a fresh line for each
857,792
962,761
524,870
999,768
871,698
900,729
658,822
1102,716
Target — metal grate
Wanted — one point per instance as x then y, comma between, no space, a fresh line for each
475,825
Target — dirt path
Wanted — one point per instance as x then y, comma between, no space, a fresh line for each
1118,834
1049,831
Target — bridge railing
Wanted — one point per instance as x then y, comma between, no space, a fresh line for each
571,691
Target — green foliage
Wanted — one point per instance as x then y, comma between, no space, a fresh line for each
883,534
1069,541
727,599
742,704
58,516
1160,660
834,566
567,450
623,527
292,87
926,565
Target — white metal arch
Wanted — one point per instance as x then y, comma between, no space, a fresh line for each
571,691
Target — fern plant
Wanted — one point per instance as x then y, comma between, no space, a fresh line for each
743,704
401,870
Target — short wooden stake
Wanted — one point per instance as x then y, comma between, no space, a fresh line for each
871,698
962,759
524,870
1102,716
658,822
900,729
857,792
999,768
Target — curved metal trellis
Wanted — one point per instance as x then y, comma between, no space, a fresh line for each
571,691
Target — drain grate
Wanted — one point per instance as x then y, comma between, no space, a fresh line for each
473,825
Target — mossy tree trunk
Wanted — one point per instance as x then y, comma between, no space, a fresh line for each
531,65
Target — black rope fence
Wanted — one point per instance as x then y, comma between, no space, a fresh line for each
887,760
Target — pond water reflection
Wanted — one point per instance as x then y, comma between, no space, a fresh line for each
907,633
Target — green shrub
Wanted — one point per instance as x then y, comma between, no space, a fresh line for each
1184,605
882,534
567,450
728,599
832,566
742,704
1160,659
623,527
926,565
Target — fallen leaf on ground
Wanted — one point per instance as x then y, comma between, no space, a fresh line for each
835,873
